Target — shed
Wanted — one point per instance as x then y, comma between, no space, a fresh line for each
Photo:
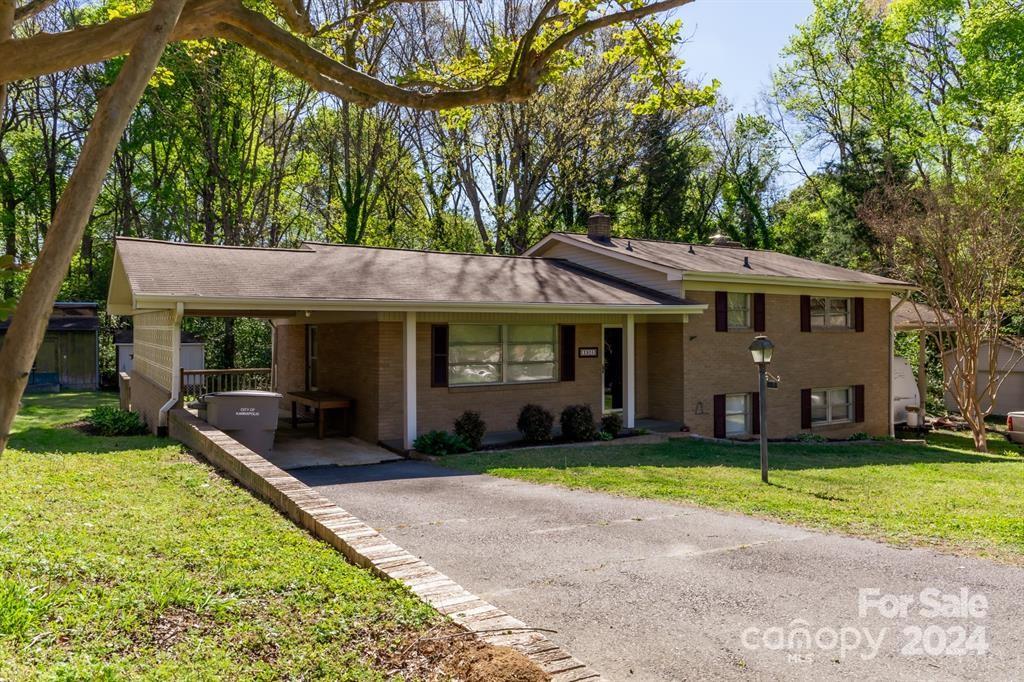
1010,359
193,350
68,358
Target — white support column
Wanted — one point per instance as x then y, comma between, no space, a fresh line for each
409,378
630,343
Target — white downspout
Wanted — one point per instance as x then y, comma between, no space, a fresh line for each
179,312
892,352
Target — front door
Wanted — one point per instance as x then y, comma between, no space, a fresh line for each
613,355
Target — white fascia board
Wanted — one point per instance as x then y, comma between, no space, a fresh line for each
800,282
169,301
672,274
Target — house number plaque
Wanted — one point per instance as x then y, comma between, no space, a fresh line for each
588,352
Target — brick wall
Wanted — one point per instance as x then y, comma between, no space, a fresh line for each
289,357
665,361
500,405
147,398
719,362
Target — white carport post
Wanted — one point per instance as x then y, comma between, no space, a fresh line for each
630,343
409,378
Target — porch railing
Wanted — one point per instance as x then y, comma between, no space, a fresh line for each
195,383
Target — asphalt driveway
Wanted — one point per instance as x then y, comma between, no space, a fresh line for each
646,590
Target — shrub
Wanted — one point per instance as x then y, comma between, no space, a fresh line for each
604,435
471,428
112,421
578,423
805,437
535,423
860,435
440,443
611,424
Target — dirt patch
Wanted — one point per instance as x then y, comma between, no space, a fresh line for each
447,652
81,426
174,624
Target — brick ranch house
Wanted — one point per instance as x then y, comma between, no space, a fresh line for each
653,329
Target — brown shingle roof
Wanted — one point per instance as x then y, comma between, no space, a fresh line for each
730,260
912,316
324,272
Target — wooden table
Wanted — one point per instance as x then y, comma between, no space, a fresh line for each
321,401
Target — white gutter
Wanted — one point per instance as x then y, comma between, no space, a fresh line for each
179,312
166,301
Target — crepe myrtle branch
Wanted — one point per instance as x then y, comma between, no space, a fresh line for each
31,9
229,19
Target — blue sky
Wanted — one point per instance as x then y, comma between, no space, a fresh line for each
738,42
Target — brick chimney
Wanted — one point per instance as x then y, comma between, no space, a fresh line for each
599,227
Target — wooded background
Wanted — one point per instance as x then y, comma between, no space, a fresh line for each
227,149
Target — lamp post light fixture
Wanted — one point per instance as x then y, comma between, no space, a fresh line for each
761,350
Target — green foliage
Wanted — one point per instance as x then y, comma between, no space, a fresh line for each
611,424
441,443
9,269
107,420
535,423
808,437
471,427
577,422
860,435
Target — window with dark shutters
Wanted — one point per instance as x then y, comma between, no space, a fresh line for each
439,355
719,415
805,408
755,414
858,314
567,361
759,313
721,311
858,403
805,313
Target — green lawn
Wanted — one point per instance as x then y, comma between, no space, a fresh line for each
941,495
125,558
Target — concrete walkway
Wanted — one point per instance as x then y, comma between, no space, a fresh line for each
296,449
645,590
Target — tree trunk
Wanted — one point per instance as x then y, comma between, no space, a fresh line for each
113,112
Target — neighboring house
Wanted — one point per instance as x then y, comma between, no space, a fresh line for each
193,351
1010,365
69,354
652,329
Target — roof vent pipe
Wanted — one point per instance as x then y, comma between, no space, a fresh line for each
746,261
599,227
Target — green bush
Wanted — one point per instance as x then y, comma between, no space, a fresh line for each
805,437
611,424
471,428
860,435
440,443
112,421
578,423
535,423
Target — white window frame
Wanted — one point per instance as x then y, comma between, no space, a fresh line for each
747,309
830,418
825,321
503,362
748,415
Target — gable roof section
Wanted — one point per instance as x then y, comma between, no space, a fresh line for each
720,262
324,276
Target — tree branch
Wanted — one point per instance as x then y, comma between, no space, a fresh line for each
34,7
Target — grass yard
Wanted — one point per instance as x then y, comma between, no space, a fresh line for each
126,558
941,495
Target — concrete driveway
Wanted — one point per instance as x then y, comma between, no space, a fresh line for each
645,590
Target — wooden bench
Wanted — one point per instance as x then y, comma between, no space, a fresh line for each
321,401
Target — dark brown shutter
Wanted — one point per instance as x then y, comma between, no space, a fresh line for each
567,364
758,312
439,355
805,313
805,408
720,415
858,314
755,417
858,403
721,311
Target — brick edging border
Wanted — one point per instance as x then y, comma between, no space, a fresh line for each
365,547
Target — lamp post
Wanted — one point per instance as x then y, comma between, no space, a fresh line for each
761,350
